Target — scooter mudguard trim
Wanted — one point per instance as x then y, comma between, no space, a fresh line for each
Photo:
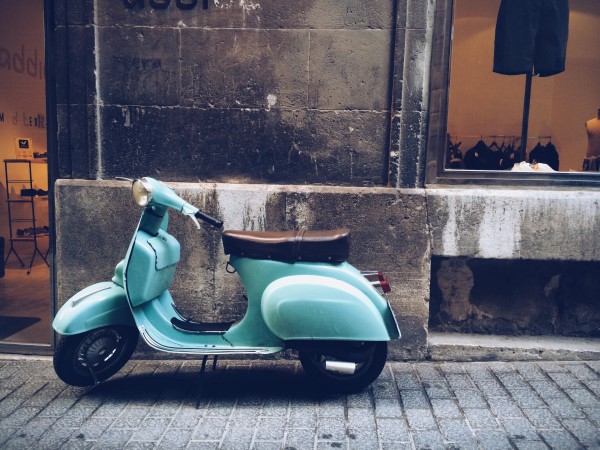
98,305
321,308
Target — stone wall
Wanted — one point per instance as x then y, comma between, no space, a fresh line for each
310,91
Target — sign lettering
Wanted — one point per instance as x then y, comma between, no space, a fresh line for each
164,4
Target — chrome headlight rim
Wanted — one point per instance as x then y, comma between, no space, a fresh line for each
142,191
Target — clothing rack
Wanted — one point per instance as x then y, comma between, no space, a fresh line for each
488,136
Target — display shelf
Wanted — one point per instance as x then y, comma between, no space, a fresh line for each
36,233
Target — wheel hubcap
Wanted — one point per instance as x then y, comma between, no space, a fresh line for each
98,348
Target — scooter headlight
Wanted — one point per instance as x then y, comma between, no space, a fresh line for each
142,192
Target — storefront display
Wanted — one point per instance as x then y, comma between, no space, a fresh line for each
523,81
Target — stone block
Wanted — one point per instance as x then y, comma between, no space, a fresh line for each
139,65
515,224
244,145
350,69
228,68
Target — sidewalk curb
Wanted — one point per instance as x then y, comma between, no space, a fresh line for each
471,347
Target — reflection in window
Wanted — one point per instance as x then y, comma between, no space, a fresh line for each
490,125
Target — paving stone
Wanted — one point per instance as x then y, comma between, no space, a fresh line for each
527,398
542,418
530,371
584,430
594,386
151,429
388,407
331,429
175,439
420,419
300,439
564,408
583,397
513,380
430,439
407,380
459,381
530,445
458,434
519,429
491,388
436,389
504,407
271,428
493,440
582,371
481,419
559,439
414,399
209,429
445,409
470,398
414,405
393,430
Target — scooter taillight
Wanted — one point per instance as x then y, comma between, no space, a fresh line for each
378,281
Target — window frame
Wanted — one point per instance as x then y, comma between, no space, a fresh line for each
436,173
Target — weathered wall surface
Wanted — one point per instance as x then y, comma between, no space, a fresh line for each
537,224
310,91
98,219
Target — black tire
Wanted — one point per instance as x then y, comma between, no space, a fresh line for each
103,350
370,358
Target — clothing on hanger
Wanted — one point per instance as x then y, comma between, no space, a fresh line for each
546,154
531,37
481,157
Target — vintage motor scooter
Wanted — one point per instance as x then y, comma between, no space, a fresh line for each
302,294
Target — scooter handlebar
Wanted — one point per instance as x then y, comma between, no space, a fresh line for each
208,219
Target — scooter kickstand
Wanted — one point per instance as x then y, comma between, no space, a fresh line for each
201,382
95,379
202,373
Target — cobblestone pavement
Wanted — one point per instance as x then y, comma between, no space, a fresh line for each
270,405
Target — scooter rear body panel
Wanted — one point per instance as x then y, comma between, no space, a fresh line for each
316,300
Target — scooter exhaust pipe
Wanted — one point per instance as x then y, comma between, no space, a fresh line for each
342,367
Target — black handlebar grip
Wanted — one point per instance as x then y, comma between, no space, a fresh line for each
208,219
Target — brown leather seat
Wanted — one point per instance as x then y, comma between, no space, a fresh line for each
289,246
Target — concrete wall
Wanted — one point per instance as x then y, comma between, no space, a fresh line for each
515,261
388,233
536,224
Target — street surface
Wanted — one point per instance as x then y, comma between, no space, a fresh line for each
268,404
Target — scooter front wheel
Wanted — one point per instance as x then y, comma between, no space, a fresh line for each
87,358
345,366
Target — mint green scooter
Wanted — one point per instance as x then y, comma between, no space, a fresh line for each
302,294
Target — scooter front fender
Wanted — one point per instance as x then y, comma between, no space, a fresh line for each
322,308
98,305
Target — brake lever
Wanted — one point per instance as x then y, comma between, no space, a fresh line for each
193,217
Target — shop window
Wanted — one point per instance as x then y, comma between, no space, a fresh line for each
515,92
25,200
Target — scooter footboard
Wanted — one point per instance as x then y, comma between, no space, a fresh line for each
322,308
96,306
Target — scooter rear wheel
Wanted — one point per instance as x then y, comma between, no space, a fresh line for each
369,357
94,356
